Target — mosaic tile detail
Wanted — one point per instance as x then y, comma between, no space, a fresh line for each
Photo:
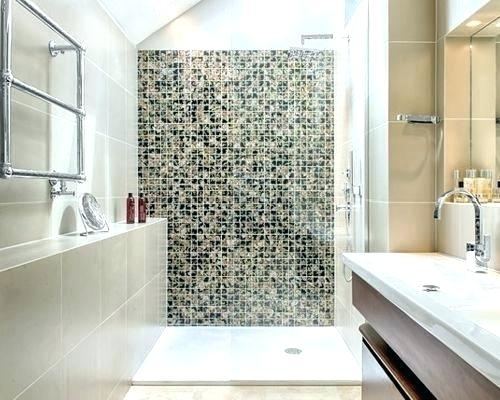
236,151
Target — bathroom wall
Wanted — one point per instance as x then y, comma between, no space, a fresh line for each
78,323
401,156
44,136
236,150
251,25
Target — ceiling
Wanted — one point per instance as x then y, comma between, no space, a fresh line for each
140,18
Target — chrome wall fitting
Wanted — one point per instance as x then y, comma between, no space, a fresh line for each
56,49
59,188
418,119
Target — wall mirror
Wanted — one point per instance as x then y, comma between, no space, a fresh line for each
485,99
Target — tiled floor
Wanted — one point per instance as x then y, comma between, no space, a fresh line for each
244,393
249,356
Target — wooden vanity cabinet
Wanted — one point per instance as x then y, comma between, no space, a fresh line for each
401,358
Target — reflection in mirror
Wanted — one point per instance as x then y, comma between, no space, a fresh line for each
485,107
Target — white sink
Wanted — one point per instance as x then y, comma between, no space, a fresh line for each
486,318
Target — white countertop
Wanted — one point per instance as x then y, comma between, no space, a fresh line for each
464,314
15,256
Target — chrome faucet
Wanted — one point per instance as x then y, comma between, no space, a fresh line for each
482,243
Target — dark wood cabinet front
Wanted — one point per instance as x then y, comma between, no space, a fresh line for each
376,383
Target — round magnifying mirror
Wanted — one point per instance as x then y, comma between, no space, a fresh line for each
92,213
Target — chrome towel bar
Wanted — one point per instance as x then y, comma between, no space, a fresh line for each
8,81
418,119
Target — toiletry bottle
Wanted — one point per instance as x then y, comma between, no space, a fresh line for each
496,194
484,186
142,208
130,209
456,185
470,180
460,198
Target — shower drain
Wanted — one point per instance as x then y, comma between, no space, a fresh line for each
294,351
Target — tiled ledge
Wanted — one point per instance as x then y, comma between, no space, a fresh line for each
15,256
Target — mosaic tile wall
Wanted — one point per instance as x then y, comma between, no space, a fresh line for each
236,150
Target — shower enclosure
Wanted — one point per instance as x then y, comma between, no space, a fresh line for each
237,152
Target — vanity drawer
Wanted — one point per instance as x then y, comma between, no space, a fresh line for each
385,376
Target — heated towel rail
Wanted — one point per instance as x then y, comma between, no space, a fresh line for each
8,81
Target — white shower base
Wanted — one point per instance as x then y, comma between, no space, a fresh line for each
249,356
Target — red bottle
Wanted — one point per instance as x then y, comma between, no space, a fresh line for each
142,208
130,209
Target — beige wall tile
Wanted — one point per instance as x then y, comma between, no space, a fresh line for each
456,149
411,20
131,69
411,227
24,222
117,55
411,79
116,209
132,170
153,302
448,228
483,74
132,120
117,111
378,60
81,291
96,97
113,274
440,48
411,162
30,135
30,306
96,164
456,96
483,147
378,226
117,180
135,261
152,266
82,380
49,387
113,351
378,164
136,322
96,39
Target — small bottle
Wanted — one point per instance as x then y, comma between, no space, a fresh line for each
460,198
484,186
496,193
142,208
470,181
130,209
456,182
